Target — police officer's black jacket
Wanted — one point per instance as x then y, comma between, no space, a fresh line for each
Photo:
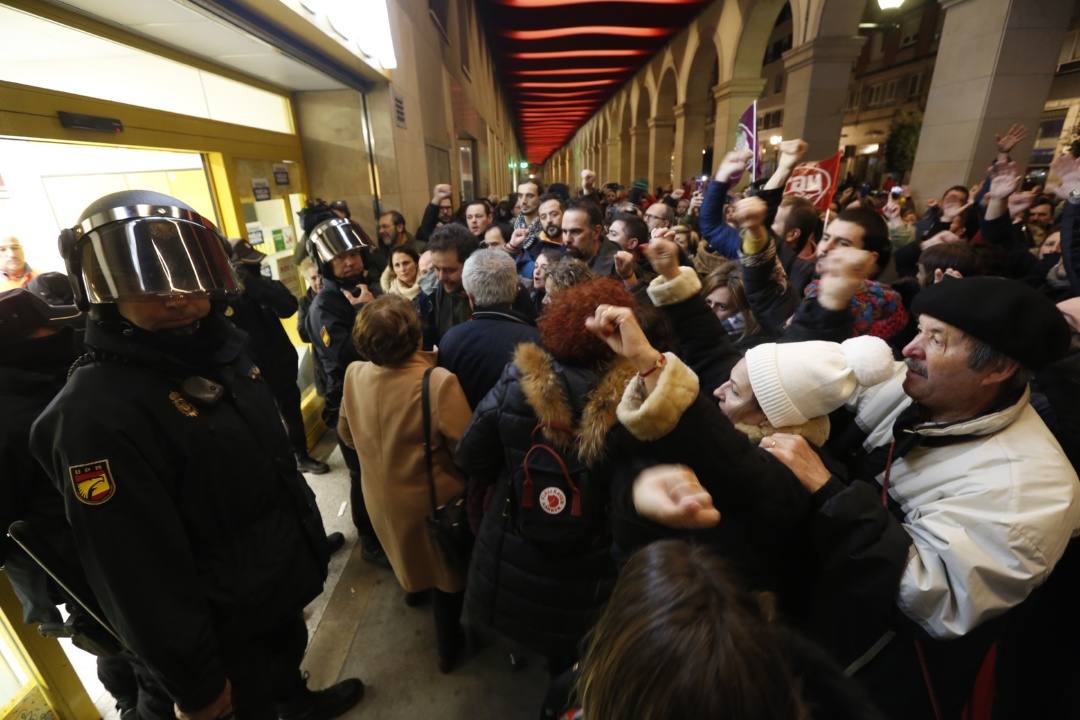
329,324
193,525
258,312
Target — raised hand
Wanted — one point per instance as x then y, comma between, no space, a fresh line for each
663,253
791,152
943,237
1004,181
672,496
1066,169
618,327
439,193
733,165
624,265
1006,142
950,209
1020,201
750,212
842,271
799,457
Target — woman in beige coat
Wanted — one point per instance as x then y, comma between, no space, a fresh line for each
381,418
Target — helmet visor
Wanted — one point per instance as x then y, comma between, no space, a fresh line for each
334,237
154,256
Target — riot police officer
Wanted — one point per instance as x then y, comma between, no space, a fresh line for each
338,247
199,537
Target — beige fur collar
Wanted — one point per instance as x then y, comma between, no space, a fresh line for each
544,392
815,430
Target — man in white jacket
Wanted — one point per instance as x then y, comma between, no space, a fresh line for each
973,503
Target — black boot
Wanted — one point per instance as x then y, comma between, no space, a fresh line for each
324,704
335,541
308,464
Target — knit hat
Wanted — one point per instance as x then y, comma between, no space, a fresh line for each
1009,316
795,382
876,309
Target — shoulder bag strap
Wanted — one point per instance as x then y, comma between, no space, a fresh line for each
425,406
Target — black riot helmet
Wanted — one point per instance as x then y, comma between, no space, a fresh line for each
139,243
333,237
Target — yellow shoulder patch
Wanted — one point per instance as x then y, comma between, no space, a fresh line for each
324,335
181,403
92,482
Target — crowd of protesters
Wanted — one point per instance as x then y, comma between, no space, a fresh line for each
711,451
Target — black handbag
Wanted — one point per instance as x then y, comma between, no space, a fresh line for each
448,523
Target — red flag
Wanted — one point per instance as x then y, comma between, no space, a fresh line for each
816,181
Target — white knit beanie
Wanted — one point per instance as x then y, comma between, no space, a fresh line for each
794,382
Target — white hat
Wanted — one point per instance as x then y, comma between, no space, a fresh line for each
794,382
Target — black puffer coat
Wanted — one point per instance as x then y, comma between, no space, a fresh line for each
543,597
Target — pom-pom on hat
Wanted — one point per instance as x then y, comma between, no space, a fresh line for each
796,382
1012,318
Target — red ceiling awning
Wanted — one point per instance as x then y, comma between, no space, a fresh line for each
561,60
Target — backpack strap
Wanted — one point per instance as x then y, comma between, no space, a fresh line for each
527,484
425,406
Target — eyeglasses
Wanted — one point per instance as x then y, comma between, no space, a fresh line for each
655,217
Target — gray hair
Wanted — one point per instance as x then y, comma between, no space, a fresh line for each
984,357
490,277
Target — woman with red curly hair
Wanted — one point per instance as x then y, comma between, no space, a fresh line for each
541,568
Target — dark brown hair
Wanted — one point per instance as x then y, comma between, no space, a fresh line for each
387,330
679,641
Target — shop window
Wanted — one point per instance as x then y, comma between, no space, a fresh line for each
45,54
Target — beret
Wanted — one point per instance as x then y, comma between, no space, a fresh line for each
1009,316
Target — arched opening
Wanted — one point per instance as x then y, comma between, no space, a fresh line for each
662,132
699,112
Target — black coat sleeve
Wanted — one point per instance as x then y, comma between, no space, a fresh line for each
813,322
861,552
136,553
772,299
763,508
272,295
703,344
427,224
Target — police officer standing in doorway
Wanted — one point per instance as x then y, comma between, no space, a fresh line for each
198,536
258,311
338,246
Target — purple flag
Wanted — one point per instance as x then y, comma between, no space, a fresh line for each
746,137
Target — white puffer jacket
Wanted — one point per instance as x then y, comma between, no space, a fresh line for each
989,516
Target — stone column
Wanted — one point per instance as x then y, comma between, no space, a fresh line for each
732,98
661,144
689,139
818,78
639,153
614,157
995,63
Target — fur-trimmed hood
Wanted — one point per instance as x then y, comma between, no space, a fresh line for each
546,394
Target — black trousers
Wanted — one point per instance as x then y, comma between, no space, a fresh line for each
360,516
264,669
446,607
287,395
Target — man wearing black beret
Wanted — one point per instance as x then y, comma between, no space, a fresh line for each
959,501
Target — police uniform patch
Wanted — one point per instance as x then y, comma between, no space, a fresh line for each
181,403
92,482
324,335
